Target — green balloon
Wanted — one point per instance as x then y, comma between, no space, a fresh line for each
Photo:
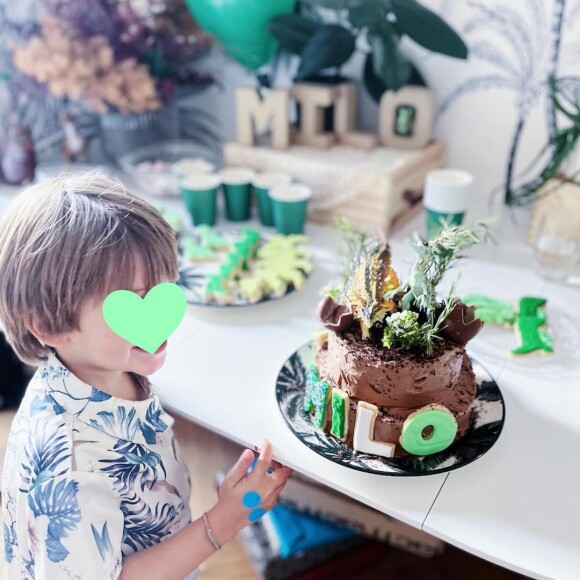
241,26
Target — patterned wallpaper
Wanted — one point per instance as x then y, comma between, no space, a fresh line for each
493,109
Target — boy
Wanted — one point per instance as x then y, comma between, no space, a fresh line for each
94,484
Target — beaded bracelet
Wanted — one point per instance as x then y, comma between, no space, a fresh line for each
210,534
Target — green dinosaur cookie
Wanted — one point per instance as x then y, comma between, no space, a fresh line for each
211,239
490,310
196,253
215,290
252,288
531,319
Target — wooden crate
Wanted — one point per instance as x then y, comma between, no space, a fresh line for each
378,188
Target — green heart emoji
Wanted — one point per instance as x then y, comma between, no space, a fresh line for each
145,322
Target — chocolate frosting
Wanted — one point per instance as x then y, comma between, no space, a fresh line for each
365,370
390,419
461,324
335,317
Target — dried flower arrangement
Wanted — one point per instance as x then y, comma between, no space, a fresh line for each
96,56
408,315
75,68
122,55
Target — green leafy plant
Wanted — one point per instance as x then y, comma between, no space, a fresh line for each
404,331
324,47
560,145
410,314
434,258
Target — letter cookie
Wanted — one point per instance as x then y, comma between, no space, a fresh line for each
443,430
317,396
531,319
364,429
340,409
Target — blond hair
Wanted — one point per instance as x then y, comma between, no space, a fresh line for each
68,240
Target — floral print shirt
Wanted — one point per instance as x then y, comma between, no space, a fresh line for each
88,479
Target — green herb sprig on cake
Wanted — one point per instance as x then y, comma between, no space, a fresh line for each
410,314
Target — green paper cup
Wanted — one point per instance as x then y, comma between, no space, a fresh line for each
186,167
262,186
237,184
289,205
200,195
436,221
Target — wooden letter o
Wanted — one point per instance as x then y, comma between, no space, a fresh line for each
406,117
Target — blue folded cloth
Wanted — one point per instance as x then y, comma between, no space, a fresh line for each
298,532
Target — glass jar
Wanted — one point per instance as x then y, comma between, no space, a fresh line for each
122,133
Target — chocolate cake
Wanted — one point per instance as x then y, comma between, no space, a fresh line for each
390,374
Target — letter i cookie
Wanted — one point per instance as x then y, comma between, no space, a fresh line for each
340,409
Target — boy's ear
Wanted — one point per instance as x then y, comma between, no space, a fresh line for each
32,327
54,340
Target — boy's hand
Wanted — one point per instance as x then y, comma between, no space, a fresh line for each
229,515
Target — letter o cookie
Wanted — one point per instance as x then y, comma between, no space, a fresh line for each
443,430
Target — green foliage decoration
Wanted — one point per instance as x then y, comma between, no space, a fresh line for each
324,48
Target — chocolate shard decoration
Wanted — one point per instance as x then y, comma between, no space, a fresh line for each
461,324
335,317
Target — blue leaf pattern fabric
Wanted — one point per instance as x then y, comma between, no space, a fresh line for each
45,453
103,541
145,526
134,462
59,504
88,479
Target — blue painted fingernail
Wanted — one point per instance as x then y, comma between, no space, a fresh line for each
251,499
256,514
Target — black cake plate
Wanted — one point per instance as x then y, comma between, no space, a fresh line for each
487,419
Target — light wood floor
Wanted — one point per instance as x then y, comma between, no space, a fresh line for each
205,453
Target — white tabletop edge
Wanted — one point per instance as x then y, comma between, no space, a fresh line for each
418,524
486,556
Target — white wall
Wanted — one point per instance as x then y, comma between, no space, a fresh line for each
481,100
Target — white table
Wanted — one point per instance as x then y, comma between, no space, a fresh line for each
517,506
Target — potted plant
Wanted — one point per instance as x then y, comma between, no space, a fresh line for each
561,144
323,47
123,67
